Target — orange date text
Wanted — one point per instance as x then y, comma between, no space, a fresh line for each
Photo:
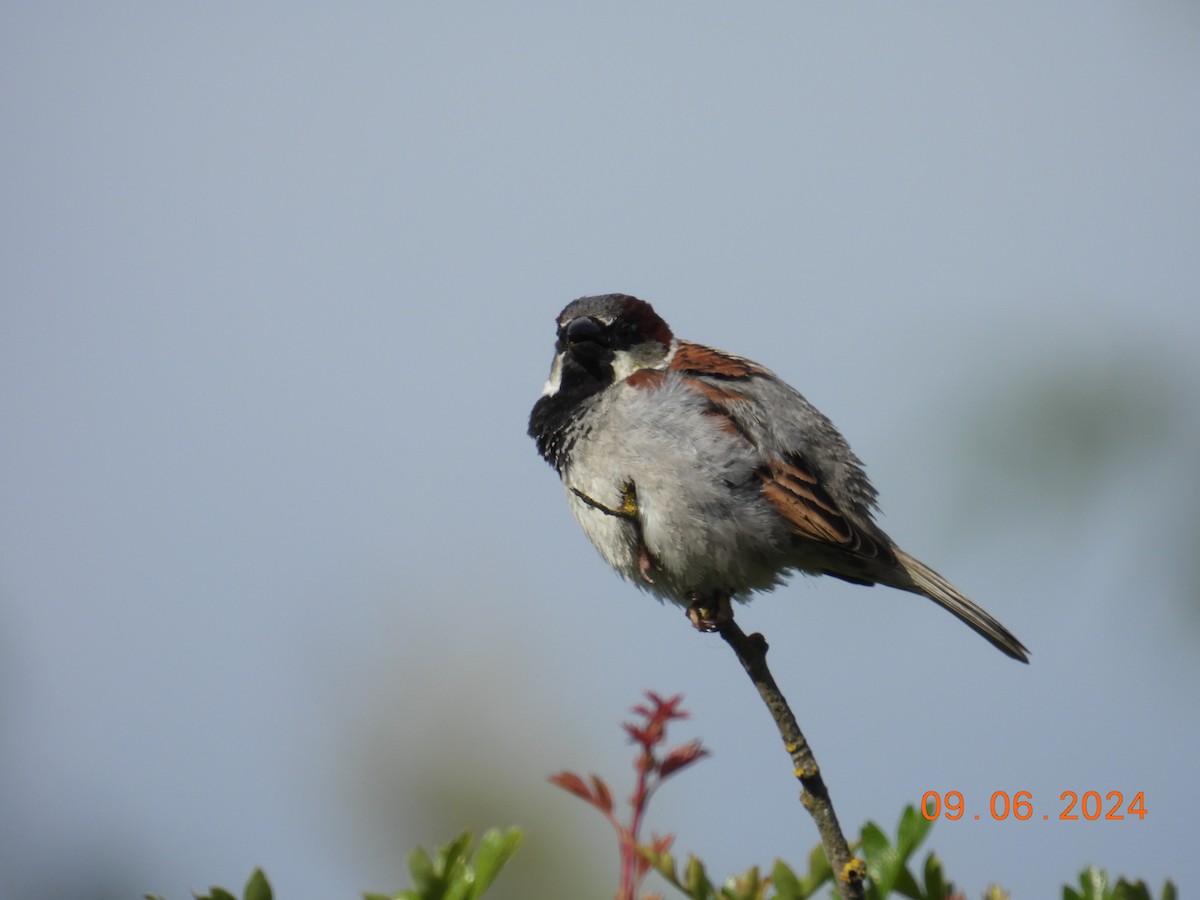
1072,806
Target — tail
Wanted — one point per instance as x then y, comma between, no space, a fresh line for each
939,590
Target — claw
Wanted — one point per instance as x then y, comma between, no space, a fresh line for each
709,613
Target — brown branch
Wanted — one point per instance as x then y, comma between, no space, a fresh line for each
751,651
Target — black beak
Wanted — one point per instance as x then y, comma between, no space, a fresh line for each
583,329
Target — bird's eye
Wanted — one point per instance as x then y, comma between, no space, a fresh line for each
625,330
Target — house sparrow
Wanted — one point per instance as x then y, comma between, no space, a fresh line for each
702,477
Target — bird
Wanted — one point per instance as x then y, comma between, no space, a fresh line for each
704,478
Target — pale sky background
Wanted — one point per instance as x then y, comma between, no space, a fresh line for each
284,583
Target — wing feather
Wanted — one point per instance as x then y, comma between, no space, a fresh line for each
791,482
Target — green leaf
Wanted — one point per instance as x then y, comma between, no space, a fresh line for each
665,866
453,856
905,885
697,884
216,893
819,871
874,844
496,849
459,885
747,886
883,860
911,832
936,887
787,885
257,887
1093,885
420,866
1127,891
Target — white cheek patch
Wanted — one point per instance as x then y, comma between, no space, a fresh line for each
624,365
670,353
648,355
554,382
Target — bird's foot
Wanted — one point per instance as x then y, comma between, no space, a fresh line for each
647,564
709,613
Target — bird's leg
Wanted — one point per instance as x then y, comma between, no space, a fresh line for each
709,613
646,563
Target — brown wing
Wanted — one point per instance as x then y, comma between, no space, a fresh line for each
789,482
696,359
797,494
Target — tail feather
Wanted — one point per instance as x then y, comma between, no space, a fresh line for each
939,590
